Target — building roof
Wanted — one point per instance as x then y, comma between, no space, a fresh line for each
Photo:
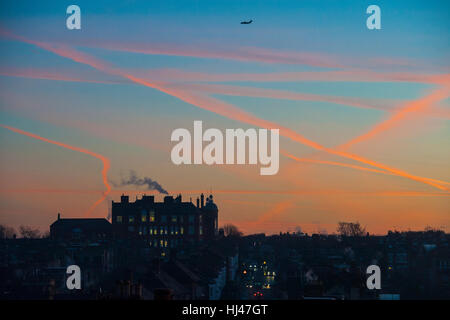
84,224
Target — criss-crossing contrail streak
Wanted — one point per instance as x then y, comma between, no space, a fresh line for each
352,166
105,161
216,106
420,104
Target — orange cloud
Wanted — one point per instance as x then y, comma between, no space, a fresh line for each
105,161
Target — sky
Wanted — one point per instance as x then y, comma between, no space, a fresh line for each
363,114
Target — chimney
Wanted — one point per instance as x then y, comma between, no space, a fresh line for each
202,197
59,215
198,202
124,199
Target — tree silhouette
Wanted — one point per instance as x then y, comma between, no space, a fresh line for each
28,232
231,230
351,229
6,232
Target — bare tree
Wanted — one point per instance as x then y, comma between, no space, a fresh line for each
6,232
351,229
28,232
433,229
231,230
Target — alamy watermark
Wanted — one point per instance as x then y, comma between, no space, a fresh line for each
74,279
232,151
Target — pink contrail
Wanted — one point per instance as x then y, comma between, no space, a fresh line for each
224,109
417,105
105,161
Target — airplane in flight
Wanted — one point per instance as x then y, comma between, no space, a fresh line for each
246,22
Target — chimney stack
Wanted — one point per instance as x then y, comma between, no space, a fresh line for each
202,202
59,215
198,202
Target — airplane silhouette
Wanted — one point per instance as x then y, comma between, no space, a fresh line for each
246,22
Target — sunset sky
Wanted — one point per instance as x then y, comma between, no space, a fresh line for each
363,114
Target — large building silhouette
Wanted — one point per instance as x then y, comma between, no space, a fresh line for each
166,224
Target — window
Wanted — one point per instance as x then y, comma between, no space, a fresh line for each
131,219
171,230
161,230
181,230
165,230
131,229
152,216
144,216
119,219
191,219
150,230
161,243
164,219
145,230
181,219
174,219
201,230
191,230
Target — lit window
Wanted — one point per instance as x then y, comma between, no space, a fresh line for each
150,231
161,230
165,230
161,243
131,219
171,230
119,219
181,230
174,219
201,230
152,216
165,243
143,216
